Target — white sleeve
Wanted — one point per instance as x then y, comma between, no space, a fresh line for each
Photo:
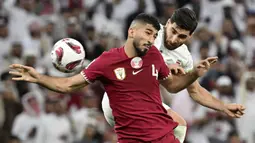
166,106
190,63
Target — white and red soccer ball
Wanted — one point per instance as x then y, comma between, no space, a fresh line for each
68,55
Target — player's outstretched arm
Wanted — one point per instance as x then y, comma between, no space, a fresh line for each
175,83
203,97
58,84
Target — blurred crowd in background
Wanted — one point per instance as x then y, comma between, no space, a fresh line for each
29,29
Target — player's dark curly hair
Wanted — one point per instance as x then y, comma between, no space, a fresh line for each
185,19
149,19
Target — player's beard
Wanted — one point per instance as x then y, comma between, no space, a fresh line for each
138,50
167,45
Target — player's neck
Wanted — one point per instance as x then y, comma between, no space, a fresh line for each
129,49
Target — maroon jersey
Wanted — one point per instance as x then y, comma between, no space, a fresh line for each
133,90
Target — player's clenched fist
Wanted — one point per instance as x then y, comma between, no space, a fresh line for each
23,73
234,110
205,65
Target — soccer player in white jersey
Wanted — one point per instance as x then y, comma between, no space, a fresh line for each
170,41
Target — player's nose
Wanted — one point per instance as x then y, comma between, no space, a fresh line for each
174,39
151,40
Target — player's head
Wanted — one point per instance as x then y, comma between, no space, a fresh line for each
143,32
179,28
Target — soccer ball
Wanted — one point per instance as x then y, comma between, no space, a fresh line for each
67,55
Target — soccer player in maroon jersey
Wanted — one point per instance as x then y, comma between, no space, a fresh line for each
131,76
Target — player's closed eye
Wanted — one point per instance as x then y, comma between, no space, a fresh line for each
148,33
182,36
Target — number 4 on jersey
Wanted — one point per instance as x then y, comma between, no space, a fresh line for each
154,71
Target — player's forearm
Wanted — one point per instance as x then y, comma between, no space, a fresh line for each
56,84
203,97
181,82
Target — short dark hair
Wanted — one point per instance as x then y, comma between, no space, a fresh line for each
149,19
185,19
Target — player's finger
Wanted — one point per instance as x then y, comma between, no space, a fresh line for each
17,78
238,116
242,107
15,73
212,59
240,113
13,66
213,62
206,64
201,65
181,71
175,71
19,66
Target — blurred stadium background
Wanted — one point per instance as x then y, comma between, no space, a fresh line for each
29,28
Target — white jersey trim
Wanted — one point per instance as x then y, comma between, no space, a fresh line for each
85,77
167,76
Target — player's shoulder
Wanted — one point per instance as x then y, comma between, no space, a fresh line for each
154,50
183,48
183,51
112,53
154,54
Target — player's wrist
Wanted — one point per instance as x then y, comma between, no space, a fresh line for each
223,107
39,78
195,73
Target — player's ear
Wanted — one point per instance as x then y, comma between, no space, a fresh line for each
168,21
131,32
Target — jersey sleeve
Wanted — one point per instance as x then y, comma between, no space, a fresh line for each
164,71
94,70
190,64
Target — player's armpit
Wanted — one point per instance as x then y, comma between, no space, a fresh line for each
175,83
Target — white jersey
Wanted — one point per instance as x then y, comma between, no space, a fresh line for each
180,55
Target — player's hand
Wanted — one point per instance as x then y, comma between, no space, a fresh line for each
23,73
205,65
234,110
176,69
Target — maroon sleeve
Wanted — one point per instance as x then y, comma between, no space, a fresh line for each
164,71
94,70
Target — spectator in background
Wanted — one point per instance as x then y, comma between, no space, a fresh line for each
234,61
203,52
57,126
249,39
27,126
9,108
246,96
233,137
15,54
5,42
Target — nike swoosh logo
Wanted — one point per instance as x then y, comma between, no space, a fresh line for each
136,72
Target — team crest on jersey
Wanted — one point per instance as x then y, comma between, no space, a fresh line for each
120,73
136,62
